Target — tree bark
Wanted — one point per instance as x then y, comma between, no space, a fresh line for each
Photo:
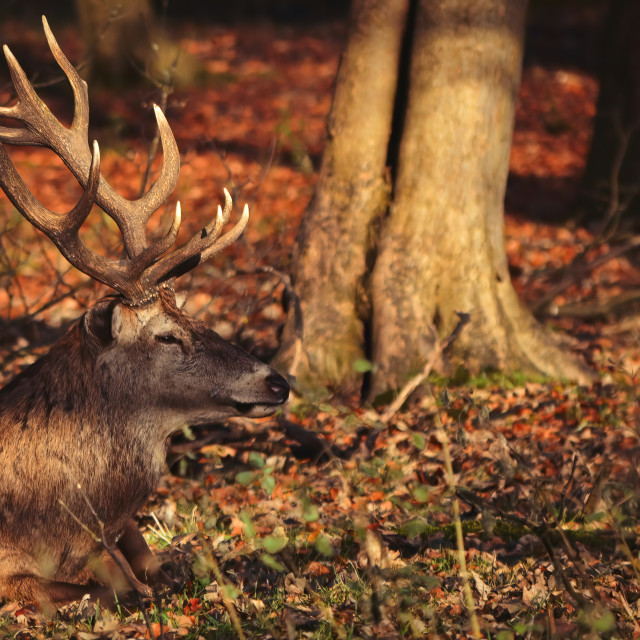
128,46
334,244
383,276
117,33
442,247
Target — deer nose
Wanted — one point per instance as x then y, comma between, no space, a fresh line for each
278,386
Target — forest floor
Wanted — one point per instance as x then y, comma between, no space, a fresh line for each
328,521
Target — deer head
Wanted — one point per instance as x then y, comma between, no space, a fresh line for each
147,269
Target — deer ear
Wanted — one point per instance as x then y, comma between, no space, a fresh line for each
116,321
181,299
99,320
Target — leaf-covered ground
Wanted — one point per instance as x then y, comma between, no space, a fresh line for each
328,521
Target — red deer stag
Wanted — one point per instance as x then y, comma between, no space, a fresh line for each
83,431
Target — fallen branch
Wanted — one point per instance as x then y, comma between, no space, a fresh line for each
314,447
438,349
578,268
615,305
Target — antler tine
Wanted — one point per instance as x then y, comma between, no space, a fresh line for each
201,247
150,254
23,109
146,268
228,238
71,222
52,224
63,229
78,85
70,144
166,182
228,203
211,232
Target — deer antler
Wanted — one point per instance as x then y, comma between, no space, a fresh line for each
145,268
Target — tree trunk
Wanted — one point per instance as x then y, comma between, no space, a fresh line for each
128,46
442,247
333,249
389,287
117,33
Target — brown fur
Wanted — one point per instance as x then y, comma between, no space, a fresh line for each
85,428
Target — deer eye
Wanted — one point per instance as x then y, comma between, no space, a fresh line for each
168,338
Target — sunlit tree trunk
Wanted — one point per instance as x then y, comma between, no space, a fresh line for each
440,248
335,241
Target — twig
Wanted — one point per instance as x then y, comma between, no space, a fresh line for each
438,349
544,537
298,323
464,574
541,531
544,532
615,209
262,178
294,300
101,539
228,602
633,561
71,293
568,484
574,557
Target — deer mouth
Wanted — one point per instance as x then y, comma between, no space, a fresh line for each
278,390
257,409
